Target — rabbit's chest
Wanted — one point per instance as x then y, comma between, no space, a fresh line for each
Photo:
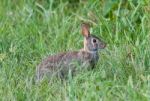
88,60
90,57
94,58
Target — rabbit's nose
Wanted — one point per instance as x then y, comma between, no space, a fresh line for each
102,46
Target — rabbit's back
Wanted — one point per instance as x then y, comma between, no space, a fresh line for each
52,62
66,58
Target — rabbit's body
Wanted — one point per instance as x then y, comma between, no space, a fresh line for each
83,59
60,64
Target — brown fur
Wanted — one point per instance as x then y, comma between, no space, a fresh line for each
62,63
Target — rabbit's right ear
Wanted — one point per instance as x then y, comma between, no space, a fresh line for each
85,30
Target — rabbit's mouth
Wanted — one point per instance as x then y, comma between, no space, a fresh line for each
102,46
95,49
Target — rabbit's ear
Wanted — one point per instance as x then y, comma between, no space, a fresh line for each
85,30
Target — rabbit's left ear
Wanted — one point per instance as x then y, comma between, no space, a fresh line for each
85,30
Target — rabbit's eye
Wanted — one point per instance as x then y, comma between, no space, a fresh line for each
94,40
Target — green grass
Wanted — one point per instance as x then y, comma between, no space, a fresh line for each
33,29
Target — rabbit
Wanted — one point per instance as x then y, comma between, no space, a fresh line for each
86,58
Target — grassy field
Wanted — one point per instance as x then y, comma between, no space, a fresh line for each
33,29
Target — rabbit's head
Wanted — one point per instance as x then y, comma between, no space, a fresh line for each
91,42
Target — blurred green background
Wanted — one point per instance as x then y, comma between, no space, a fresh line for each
33,29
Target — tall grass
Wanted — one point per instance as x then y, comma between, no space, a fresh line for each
33,29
